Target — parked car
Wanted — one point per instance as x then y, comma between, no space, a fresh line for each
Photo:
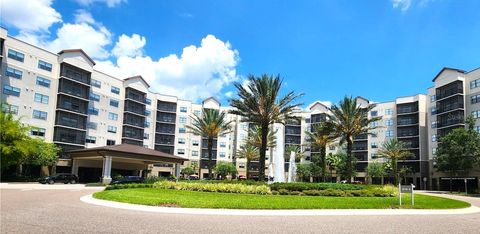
242,177
193,177
128,180
59,178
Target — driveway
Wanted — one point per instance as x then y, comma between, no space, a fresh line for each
42,209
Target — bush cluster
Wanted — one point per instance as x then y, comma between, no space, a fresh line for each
128,186
313,186
214,187
246,182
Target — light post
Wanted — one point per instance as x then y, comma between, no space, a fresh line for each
425,183
465,181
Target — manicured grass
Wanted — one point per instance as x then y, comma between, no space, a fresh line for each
191,199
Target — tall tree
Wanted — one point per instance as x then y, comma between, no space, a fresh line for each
259,102
249,152
14,140
394,150
322,135
349,119
255,137
225,168
332,161
458,150
210,124
375,169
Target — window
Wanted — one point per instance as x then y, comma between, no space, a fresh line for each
195,142
374,134
148,113
115,90
434,124
92,125
148,101
16,55
181,140
114,102
7,108
146,136
434,138
197,113
41,98
96,83
389,122
44,65
183,120
478,129
194,153
183,109
43,82
147,124
433,98
91,139
222,154
434,151
94,97
112,116
223,144
92,111
474,83
389,133
374,124
475,99
111,129
38,132
181,151
110,142
182,130
389,111
374,145
476,114
373,113
12,72
241,165
39,114
433,111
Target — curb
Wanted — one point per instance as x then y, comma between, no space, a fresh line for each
240,212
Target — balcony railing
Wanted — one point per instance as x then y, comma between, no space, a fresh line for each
406,110
407,122
449,92
449,107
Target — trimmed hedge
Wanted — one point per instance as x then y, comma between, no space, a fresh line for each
214,187
313,186
128,186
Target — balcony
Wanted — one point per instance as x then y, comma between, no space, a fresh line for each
454,88
361,137
450,107
407,110
407,122
135,95
450,122
167,106
411,133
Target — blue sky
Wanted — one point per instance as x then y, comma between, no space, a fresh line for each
326,49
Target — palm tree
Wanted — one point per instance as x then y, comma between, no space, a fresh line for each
297,149
250,152
209,125
322,135
349,120
394,150
332,161
260,103
255,137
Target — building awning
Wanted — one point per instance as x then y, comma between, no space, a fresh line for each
127,151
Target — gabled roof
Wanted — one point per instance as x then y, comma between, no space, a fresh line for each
317,103
78,50
138,77
447,68
211,98
360,97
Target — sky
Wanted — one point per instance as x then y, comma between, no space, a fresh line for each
377,49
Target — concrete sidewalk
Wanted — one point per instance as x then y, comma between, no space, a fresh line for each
38,186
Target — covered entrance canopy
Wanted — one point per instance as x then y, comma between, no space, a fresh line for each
123,156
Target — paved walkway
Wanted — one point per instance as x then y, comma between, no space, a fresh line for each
47,210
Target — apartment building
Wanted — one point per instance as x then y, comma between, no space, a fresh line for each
75,106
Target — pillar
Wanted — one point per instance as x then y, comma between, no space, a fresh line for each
75,166
177,170
107,170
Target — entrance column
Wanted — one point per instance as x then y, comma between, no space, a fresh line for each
107,169
75,166
177,170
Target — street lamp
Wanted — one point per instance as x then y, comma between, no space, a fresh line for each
465,181
425,183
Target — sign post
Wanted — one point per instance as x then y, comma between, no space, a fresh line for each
465,181
406,189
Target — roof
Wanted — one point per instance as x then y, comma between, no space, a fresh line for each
447,68
138,77
78,50
211,98
129,151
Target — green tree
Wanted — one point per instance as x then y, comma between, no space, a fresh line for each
296,149
348,120
210,124
345,164
225,168
14,141
394,150
375,169
249,152
260,103
255,137
332,162
43,153
458,150
322,135
187,171
303,171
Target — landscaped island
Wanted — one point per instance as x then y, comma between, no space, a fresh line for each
241,196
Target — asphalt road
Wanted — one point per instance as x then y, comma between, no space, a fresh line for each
61,211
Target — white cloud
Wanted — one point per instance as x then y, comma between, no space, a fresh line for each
403,5
229,94
109,3
29,16
83,16
129,46
199,72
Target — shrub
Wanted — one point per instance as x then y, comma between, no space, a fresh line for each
214,187
313,186
153,179
128,186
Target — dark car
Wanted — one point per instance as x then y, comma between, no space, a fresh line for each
128,180
59,178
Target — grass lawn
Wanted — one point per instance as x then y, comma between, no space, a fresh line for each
192,199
